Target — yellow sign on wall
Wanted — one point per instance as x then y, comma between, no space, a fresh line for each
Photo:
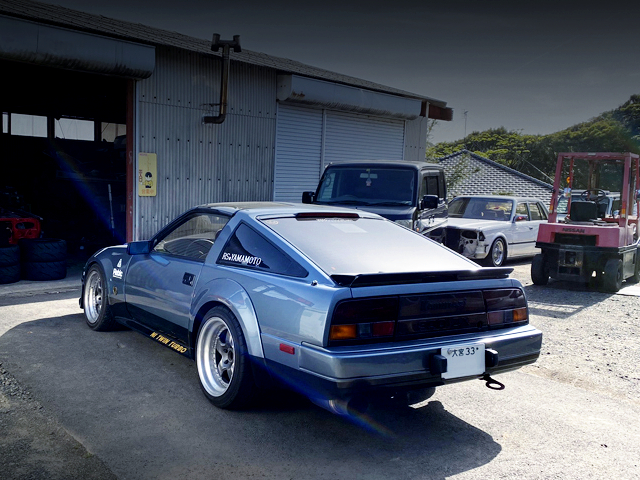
147,174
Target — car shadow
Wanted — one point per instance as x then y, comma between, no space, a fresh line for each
552,300
131,400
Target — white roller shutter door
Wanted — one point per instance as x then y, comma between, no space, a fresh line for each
298,152
303,148
359,137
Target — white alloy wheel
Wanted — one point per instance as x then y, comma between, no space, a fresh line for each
216,356
93,296
498,253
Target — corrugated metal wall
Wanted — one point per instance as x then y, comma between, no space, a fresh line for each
200,163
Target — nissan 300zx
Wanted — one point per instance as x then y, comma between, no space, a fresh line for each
335,303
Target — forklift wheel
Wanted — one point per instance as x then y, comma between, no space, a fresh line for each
612,278
539,270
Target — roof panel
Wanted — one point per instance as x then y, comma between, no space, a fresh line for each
68,18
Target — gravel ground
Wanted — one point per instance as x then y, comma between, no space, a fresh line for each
33,444
591,339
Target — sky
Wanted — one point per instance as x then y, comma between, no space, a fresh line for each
536,67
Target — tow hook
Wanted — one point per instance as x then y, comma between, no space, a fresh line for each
492,383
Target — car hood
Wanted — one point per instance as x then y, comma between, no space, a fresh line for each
475,224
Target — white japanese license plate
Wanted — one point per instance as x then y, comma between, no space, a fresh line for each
464,360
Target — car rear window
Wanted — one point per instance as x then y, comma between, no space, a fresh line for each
248,249
348,246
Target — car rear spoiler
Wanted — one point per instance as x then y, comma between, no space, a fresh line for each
377,279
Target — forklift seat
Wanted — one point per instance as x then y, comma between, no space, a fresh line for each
602,208
582,211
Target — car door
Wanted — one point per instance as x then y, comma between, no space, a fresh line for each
432,183
538,215
524,236
160,285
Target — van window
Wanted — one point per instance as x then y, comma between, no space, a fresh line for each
430,186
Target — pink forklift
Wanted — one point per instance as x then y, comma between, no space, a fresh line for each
592,232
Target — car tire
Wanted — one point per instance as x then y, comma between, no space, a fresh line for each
43,250
497,253
222,360
44,271
9,256
539,270
612,277
95,301
9,274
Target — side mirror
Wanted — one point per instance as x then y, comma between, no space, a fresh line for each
138,248
520,218
308,197
429,202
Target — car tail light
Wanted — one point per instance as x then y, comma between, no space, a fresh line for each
368,319
426,315
506,307
343,332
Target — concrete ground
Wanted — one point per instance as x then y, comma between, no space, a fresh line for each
113,405
34,445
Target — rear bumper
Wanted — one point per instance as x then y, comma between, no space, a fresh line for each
345,371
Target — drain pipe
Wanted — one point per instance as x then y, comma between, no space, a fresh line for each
226,45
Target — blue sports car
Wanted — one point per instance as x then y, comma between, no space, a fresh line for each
336,303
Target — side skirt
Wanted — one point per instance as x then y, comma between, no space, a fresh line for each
160,337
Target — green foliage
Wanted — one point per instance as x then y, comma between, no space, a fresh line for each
535,155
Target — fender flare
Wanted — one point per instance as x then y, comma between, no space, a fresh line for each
223,291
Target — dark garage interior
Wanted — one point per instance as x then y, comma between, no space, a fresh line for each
63,152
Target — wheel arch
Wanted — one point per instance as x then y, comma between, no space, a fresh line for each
231,295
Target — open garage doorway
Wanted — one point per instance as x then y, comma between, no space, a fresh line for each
63,152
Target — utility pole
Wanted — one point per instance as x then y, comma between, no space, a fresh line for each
465,122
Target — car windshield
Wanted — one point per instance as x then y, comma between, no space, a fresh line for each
348,246
368,185
481,208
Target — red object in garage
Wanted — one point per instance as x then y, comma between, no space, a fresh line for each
18,226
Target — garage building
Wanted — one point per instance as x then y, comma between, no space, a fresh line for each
103,132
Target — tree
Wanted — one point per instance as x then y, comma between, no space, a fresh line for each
535,155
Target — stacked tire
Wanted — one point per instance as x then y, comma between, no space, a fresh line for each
43,259
9,264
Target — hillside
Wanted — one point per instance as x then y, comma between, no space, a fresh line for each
617,130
